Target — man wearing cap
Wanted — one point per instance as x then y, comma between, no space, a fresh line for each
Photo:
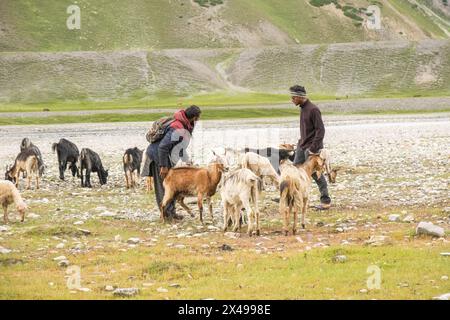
312,132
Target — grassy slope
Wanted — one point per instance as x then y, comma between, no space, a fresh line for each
114,24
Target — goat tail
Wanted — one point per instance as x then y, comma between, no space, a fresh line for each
127,159
284,193
54,146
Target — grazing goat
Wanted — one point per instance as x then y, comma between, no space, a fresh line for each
90,162
27,144
239,189
295,187
287,146
274,155
27,162
192,181
8,195
260,166
331,173
132,160
67,153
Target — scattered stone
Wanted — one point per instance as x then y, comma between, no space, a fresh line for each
4,250
33,216
84,231
213,228
445,296
174,285
107,214
4,228
162,290
148,284
394,217
444,278
84,289
299,239
60,245
409,218
118,238
445,254
133,240
78,223
340,258
109,288
179,246
363,291
376,241
232,235
427,228
60,258
225,247
63,263
125,292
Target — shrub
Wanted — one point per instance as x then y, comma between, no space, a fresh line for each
319,3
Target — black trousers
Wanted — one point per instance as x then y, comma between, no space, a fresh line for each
300,157
159,189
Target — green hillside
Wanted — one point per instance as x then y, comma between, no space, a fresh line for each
139,77
40,25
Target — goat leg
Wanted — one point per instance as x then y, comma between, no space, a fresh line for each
209,201
5,214
184,206
305,207
294,227
200,205
126,179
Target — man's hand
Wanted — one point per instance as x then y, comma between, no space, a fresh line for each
163,172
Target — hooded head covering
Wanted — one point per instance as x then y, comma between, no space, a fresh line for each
181,121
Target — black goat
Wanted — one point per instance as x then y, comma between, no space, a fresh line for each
132,166
275,155
67,153
90,162
27,144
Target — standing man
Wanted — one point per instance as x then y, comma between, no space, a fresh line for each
162,156
312,132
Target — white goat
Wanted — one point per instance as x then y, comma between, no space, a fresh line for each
240,190
258,164
8,195
295,187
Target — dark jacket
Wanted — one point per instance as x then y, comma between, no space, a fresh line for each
312,130
177,131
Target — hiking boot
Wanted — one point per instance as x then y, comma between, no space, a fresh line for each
323,206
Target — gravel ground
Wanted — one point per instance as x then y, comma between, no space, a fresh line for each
384,160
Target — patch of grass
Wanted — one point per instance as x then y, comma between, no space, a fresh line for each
208,114
55,231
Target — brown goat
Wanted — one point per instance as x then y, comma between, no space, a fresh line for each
295,188
27,162
190,181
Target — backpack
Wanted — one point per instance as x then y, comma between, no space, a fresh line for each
158,128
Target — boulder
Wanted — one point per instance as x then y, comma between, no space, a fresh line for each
427,228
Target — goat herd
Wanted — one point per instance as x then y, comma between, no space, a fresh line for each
237,174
